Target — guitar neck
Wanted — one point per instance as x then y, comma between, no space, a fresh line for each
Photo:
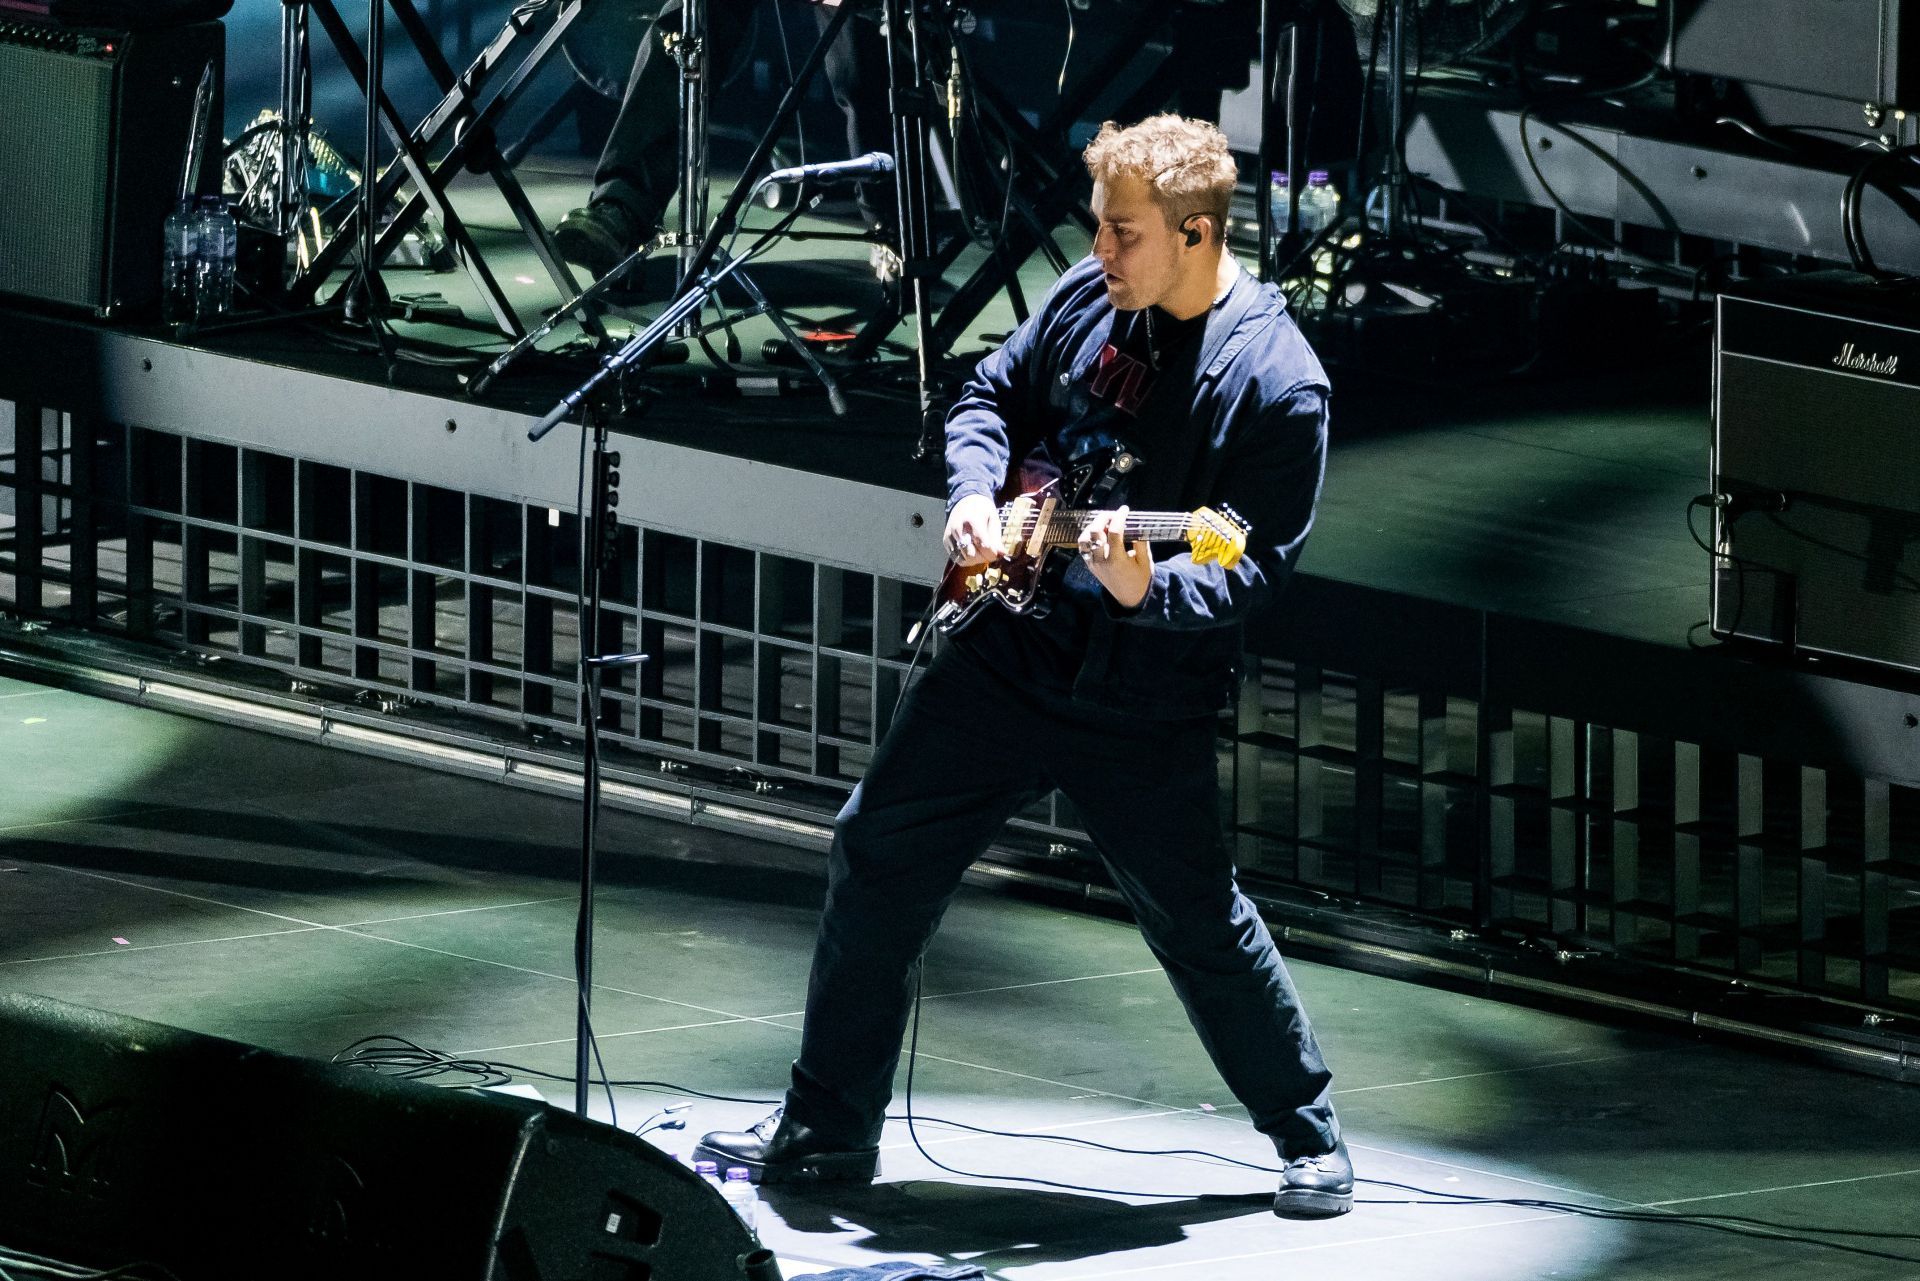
1065,527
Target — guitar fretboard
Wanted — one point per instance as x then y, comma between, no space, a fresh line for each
1065,527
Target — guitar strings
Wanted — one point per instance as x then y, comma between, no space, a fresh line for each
1068,529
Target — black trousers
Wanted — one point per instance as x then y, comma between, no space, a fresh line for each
968,751
639,166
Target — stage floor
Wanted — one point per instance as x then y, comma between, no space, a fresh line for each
297,897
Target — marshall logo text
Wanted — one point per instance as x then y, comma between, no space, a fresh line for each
1865,362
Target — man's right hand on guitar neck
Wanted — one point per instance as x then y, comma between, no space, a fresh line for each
973,531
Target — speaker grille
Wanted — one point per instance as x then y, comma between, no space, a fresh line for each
1790,428
1823,527
56,147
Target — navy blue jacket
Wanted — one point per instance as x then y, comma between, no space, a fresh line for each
1253,401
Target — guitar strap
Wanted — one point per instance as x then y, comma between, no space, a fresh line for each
1124,461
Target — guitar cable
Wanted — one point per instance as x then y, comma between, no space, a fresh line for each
393,1055
918,635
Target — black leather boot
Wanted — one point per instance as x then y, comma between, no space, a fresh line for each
1316,1186
783,1150
599,236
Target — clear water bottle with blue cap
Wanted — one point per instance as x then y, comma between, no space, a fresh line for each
179,264
1323,198
741,1195
217,238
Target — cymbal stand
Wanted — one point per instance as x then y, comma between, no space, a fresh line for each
296,119
1286,246
365,293
689,48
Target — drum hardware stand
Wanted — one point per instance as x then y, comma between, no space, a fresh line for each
1285,254
364,293
464,123
296,119
688,47
914,102
1065,192
1289,247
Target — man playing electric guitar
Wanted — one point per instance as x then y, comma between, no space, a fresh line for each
1157,346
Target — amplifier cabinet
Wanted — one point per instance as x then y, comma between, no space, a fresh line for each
93,133
1863,51
1816,467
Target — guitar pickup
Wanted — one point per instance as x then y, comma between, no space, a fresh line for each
1038,542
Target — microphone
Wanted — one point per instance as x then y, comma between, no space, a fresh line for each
874,164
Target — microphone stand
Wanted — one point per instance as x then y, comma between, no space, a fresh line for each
599,543
599,531
598,527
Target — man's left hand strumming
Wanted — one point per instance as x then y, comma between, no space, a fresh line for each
1126,572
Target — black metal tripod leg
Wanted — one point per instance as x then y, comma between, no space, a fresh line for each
583,306
800,349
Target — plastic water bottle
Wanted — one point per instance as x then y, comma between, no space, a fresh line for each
708,1170
229,254
1277,203
1324,198
741,1196
218,250
179,256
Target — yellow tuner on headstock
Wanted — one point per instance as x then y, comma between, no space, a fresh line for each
1217,536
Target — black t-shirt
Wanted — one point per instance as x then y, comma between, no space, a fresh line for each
1100,418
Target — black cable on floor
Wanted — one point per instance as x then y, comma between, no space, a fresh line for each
26,1263
421,1063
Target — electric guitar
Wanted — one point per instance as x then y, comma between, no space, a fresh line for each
1040,537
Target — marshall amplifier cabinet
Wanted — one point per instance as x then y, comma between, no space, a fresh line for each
1816,467
93,134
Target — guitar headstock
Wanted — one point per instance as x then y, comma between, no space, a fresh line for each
1217,536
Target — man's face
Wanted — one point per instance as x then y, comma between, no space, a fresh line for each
1138,251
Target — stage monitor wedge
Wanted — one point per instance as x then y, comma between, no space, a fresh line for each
123,1141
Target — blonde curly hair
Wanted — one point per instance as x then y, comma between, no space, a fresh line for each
1185,162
